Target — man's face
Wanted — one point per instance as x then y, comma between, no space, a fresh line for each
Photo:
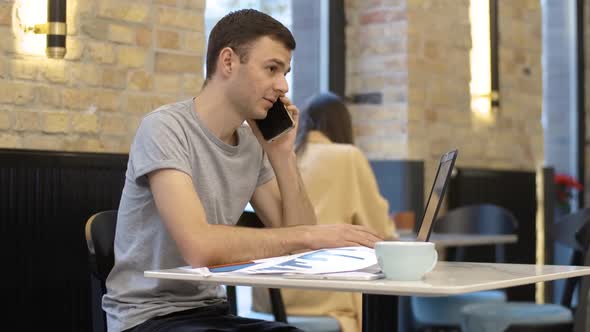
261,80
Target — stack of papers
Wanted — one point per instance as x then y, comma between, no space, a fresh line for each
346,263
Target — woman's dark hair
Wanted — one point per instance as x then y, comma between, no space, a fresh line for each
327,113
238,30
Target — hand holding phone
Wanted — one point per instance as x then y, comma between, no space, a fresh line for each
278,122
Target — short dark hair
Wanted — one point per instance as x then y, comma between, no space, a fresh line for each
327,113
238,30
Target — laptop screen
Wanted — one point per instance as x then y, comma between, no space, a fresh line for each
437,193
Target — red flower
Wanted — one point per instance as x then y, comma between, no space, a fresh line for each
565,184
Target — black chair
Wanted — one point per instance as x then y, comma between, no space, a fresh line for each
100,239
444,313
573,231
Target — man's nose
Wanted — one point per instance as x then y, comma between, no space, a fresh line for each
282,85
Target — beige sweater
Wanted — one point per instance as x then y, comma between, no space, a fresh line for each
342,188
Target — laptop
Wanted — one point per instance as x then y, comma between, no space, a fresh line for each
437,192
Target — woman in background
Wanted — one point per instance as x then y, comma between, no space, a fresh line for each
342,188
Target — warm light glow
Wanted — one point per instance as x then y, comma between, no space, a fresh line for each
27,13
480,56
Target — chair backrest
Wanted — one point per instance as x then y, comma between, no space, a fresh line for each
573,231
100,239
582,313
486,219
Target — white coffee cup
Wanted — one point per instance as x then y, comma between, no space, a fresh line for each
405,260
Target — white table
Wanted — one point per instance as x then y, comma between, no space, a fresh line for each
380,297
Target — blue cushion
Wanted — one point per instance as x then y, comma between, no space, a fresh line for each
305,323
446,310
490,317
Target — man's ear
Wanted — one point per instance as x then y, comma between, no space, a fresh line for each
225,62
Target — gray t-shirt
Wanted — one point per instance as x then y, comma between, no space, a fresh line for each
224,177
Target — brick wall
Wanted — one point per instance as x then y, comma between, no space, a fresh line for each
123,59
416,54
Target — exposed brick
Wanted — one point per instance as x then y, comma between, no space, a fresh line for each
113,124
168,39
126,11
5,120
95,28
121,34
77,98
132,57
180,18
82,144
16,93
140,103
114,78
5,14
383,16
74,48
85,123
55,122
23,69
101,52
108,100
10,141
194,4
194,43
72,18
55,71
169,84
143,37
166,2
26,121
43,142
49,96
140,81
85,74
178,63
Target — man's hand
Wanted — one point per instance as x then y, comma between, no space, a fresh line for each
340,235
284,144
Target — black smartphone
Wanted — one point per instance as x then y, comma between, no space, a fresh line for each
278,121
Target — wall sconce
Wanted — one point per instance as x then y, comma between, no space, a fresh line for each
55,29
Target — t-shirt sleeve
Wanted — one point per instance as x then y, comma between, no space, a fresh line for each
266,172
159,143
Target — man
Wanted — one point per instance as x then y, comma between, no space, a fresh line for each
192,168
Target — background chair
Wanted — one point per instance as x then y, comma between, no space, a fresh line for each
574,231
444,313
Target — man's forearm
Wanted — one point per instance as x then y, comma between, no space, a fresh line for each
296,207
220,244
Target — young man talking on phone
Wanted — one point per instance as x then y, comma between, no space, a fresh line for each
193,166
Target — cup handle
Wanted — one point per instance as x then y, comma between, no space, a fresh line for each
434,262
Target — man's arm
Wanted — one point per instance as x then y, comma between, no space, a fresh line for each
202,244
287,206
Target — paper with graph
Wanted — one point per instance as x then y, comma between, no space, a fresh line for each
320,261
